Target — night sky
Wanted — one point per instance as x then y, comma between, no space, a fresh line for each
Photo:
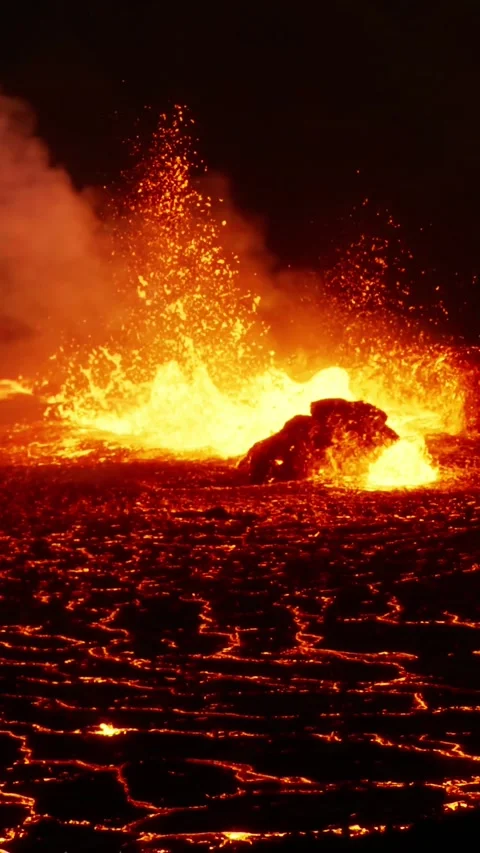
307,112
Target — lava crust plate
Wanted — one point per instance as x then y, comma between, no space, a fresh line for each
188,662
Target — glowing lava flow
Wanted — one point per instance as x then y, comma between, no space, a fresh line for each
190,414
185,365
405,464
189,370
14,387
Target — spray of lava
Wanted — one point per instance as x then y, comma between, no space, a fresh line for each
188,364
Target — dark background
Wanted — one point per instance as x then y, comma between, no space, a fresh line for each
308,108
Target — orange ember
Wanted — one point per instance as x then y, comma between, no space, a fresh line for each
187,364
107,730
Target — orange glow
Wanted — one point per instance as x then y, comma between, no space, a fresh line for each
190,414
107,730
455,806
239,836
405,464
186,364
14,387
249,837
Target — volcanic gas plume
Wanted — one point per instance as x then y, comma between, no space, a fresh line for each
52,278
186,340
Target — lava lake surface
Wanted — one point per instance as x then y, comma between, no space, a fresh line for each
189,661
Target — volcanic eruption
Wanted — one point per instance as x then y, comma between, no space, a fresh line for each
336,436
187,363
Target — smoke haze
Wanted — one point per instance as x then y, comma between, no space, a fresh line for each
51,270
56,282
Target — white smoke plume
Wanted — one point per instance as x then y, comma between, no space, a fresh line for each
51,272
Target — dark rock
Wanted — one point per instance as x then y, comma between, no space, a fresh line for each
338,437
216,512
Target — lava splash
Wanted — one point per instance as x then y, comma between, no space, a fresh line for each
187,364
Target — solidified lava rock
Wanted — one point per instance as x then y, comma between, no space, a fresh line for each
338,436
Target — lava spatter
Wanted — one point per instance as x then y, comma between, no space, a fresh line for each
186,363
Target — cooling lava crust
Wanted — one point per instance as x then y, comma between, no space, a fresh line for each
337,437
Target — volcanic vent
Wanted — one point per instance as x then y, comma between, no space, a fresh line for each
190,361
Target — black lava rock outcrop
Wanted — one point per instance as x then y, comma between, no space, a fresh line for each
337,437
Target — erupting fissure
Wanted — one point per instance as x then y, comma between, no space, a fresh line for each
189,365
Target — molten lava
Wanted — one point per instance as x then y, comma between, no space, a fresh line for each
406,463
186,412
186,364
13,387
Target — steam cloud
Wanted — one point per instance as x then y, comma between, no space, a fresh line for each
51,272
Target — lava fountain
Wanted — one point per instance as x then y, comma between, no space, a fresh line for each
188,367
